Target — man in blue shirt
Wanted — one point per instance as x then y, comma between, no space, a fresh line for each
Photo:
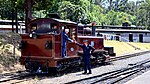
64,43
87,50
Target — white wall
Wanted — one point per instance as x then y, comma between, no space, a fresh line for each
125,36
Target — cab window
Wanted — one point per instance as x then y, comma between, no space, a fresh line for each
45,27
73,33
33,27
56,29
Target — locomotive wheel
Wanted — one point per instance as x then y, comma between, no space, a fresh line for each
28,67
61,67
100,57
103,58
31,67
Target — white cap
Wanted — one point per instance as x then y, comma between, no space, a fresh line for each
66,30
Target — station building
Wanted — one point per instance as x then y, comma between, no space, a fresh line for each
122,33
126,35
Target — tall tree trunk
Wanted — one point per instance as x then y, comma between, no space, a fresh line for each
28,12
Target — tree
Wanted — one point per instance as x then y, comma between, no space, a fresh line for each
110,12
6,9
67,10
143,14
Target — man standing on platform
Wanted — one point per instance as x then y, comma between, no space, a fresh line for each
64,43
87,50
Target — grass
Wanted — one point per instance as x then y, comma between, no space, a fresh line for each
121,48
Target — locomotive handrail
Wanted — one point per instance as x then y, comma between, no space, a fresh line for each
38,57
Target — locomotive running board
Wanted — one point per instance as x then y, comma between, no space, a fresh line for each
37,57
70,57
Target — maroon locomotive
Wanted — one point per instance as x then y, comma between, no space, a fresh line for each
41,47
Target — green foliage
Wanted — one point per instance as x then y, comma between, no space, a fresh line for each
5,9
39,14
92,12
43,4
67,10
111,12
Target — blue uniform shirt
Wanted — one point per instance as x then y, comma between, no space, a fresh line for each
86,50
65,39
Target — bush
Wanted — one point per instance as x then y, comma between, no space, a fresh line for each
8,61
7,43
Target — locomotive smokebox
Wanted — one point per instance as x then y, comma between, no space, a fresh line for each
93,28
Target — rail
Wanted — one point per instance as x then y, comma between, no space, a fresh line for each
116,75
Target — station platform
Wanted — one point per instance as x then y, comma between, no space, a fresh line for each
142,79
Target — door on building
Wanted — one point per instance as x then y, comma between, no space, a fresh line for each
141,38
130,37
117,37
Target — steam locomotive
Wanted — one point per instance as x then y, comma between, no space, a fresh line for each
41,47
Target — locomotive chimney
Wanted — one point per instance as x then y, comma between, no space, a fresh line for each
93,28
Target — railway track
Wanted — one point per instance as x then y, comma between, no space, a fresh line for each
20,76
117,76
23,75
127,56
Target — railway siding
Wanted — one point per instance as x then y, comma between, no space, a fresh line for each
96,71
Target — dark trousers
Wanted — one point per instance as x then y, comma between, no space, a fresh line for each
63,51
87,65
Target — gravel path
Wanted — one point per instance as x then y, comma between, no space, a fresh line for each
96,71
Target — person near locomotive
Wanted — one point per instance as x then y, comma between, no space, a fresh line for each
87,50
64,43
